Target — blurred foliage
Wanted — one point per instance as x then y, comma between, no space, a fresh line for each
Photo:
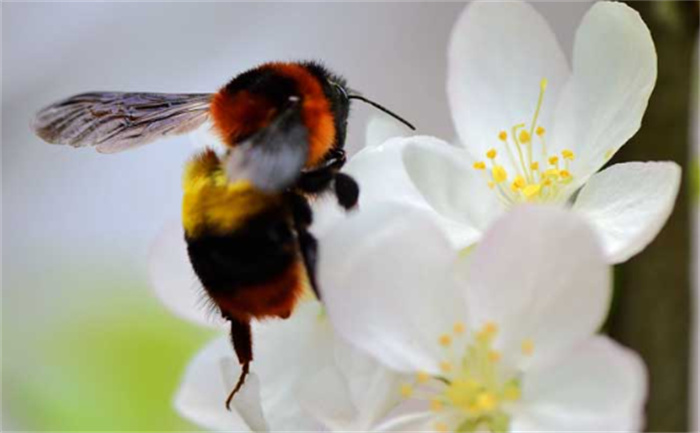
116,368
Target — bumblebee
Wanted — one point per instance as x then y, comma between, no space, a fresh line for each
246,213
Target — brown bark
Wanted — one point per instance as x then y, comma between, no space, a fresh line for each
652,310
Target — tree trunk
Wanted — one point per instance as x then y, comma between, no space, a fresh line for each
652,309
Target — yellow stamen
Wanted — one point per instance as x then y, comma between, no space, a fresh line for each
445,366
441,427
486,401
531,181
494,356
489,331
479,165
567,154
435,405
459,328
422,377
406,390
524,137
527,347
445,340
532,190
518,183
551,173
491,328
511,392
499,174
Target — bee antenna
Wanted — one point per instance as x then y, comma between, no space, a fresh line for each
384,109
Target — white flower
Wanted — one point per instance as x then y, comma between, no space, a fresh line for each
501,339
534,131
301,372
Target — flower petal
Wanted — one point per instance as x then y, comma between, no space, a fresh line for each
174,281
429,174
599,386
444,175
354,394
614,72
540,275
287,354
306,342
326,397
411,422
628,204
499,53
247,402
384,277
373,388
203,391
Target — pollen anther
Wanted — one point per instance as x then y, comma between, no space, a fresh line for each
567,154
532,190
445,340
441,427
499,174
486,401
524,137
422,377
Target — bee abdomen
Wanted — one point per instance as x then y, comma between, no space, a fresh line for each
252,272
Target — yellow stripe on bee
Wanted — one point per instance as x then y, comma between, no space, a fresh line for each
214,204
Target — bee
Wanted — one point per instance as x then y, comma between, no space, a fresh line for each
246,213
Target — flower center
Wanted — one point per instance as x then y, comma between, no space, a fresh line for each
538,176
471,392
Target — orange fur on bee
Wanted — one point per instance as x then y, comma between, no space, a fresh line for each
274,298
237,116
240,115
316,110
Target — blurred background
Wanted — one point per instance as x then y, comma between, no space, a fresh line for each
85,344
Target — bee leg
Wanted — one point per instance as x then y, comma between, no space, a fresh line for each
243,345
308,246
317,180
309,249
346,190
320,178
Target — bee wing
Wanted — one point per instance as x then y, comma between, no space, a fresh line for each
272,158
116,121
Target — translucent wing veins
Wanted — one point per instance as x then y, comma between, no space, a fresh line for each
116,121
